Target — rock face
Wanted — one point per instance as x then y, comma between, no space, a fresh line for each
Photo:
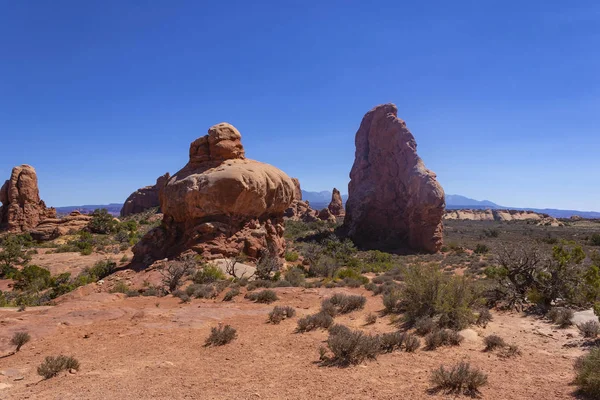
336,207
297,189
220,203
501,215
51,228
144,198
22,208
326,215
394,201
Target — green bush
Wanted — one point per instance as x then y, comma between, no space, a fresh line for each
208,274
52,366
595,239
587,373
32,277
442,337
220,336
461,378
349,273
100,270
291,256
120,287
102,222
295,276
481,249
425,325
12,254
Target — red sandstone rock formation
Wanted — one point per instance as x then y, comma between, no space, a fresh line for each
394,201
220,203
144,198
51,228
22,208
336,207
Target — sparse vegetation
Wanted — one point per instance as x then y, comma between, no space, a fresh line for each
52,366
264,296
561,316
231,294
351,347
587,371
442,337
220,336
461,378
279,313
589,329
19,339
311,322
493,342
370,319
342,304
175,272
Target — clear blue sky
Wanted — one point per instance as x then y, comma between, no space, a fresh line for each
503,97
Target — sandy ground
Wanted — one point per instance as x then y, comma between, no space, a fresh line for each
149,347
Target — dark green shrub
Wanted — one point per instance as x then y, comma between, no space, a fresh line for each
100,270
311,322
349,273
461,378
291,256
595,239
481,249
102,222
220,336
264,296
589,329
52,366
279,313
120,287
231,294
19,339
493,342
32,277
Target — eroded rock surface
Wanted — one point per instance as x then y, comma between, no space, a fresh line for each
394,201
220,204
144,198
22,209
336,206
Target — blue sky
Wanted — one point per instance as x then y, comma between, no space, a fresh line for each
503,97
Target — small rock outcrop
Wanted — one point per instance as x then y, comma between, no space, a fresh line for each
51,228
336,207
393,200
220,204
22,209
144,198
326,215
501,215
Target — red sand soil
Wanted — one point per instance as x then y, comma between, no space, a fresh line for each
149,347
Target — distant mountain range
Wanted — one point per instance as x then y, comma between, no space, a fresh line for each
319,200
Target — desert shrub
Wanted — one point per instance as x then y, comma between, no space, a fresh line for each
151,291
493,342
461,378
370,286
208,273
349,273
132,293
587,373
52,366
424,326
430,293
120,287
481,249
100,270
325,266
32,277
484,317
102,222
589,329
338,328
12,254
231,294
264,296
595,239
259,283
370,319
220,336
391,341
204,291
268,264
352,347
376,261
561,316
174,273
442,337
314,321
183,296
411,343
343,304
19,339
279,313
291,256
509,351
295,276
387,288
392,302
